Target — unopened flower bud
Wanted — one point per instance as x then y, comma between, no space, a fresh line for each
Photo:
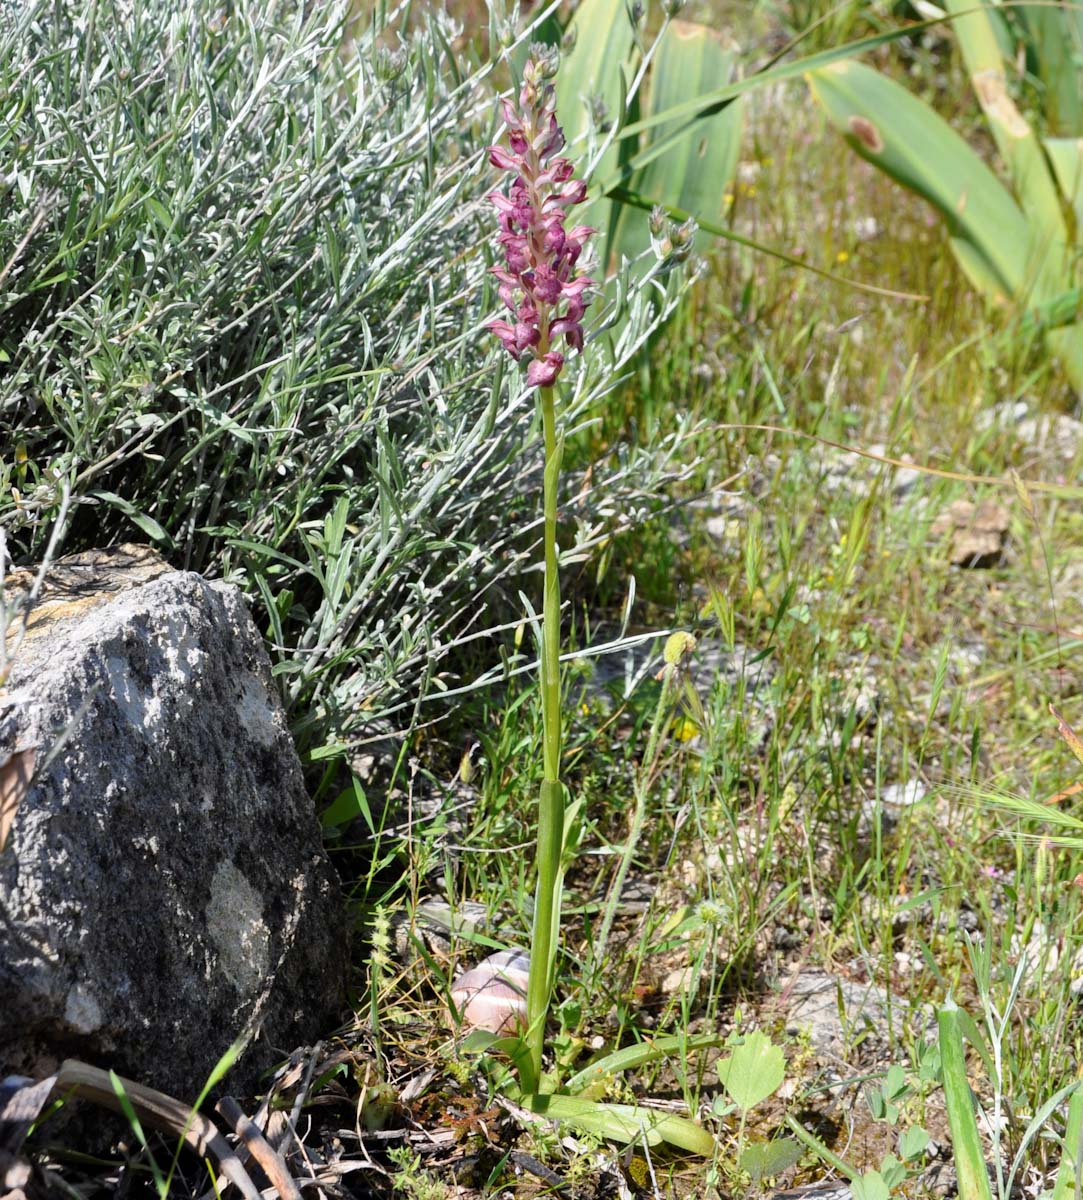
685,232
599,114
543,63
672,8
656,222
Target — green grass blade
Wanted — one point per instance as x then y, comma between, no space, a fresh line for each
965,1139
1035,1127
1068,1172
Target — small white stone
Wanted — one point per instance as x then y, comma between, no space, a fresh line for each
897,796
679,980
492,995
81,1011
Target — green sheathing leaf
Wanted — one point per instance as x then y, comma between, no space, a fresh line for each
1017,142
625,1122
694,174
958,1099
595,69
902,136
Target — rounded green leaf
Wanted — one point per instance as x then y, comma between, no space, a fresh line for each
754,1071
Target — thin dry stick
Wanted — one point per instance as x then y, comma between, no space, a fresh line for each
273,1164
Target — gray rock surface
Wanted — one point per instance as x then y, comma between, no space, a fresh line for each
838,1012
164,886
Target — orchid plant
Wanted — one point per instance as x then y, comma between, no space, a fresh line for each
546,299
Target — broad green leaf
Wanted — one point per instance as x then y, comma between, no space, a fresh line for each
892,1172
912,1142
624,1122
895,1085
706,105
478,1041
695,172
754,1071
350,803
765,1160
141,519
979,270
1015,139
1007,256
903,137
1055,52
591,73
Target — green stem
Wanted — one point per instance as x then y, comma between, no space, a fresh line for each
551,801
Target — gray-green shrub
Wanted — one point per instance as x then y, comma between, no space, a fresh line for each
243,266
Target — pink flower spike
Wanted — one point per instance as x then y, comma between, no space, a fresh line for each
507,336
555,239
551,141
543,372
573,192
501,203
547,286
576,287
511,117
537,279
499,157
575,311
572,331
